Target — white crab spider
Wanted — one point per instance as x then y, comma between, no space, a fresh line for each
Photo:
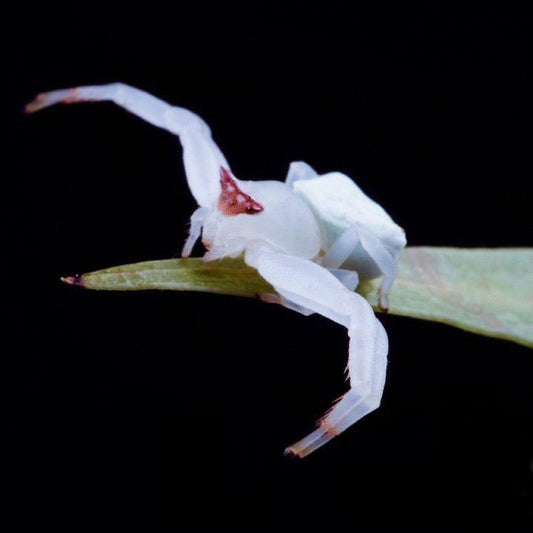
311,238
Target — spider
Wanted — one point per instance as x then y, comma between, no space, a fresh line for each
312,237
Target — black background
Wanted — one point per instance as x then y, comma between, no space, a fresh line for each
172,410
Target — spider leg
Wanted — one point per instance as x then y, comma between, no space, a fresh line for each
342,248
348,278
201,156
230,248
197,220
307,284
385,261
281,300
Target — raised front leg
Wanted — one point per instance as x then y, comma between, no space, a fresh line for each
202,158
310,286
343,247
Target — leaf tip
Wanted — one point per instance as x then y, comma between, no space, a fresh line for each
73,280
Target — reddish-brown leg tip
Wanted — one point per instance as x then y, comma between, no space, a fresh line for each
35,105
289,452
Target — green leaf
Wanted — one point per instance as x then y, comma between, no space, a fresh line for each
486,291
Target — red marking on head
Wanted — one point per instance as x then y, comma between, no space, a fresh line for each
232,201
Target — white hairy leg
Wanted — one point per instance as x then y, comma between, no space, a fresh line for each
202,158
281,300
342,248
363,397
298,170
348,278
309,285
385,261
197,220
